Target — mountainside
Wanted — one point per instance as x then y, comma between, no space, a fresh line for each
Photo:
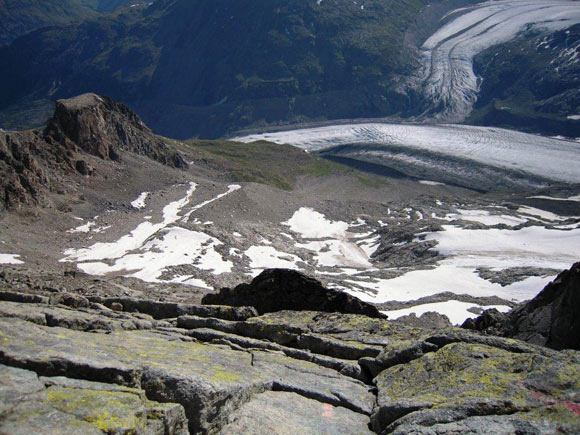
532,83
203,67
22,16
106,289
34,162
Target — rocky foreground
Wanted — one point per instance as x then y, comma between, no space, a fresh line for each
77,364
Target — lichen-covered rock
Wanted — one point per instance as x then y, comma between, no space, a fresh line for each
165,310
209,381
29,404
462,381
284,289
71,319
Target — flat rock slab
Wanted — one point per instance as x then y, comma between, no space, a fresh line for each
525,391
276,413
29,405
209,381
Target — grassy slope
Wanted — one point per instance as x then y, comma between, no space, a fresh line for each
264,162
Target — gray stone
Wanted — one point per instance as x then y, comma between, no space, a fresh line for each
290,414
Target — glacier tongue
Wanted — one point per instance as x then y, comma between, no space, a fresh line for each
545,157
447,79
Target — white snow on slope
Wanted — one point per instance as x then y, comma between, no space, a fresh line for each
456,311
448,78
530,246
151,248
484,217
444,278
85,228
133,240
173,247
10,259
263,257
140,201
532,211
337,249
313,225
546,157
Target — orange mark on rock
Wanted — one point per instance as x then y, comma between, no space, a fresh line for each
327,410
574,407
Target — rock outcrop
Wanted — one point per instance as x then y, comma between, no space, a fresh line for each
22,175
34,162
97,364
551,319
284,289
103,128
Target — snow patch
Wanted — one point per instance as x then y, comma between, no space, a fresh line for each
311,224
456,311
263,257
140,201
10,259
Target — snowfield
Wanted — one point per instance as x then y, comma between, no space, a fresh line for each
180,248
545,157
447,78
152,249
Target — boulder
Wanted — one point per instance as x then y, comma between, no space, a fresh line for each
284,289
59,405
465,387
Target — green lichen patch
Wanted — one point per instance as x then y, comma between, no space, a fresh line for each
110,412
465,379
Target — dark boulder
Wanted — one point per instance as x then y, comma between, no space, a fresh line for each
284,289
490,320
551,319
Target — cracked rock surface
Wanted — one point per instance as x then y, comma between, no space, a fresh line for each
70,364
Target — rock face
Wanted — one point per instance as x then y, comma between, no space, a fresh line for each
102,127
22,176
284,289
32,162
551,319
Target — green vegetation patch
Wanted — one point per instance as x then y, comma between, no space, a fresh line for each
276,165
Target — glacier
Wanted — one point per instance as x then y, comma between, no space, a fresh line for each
551,159
447,80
